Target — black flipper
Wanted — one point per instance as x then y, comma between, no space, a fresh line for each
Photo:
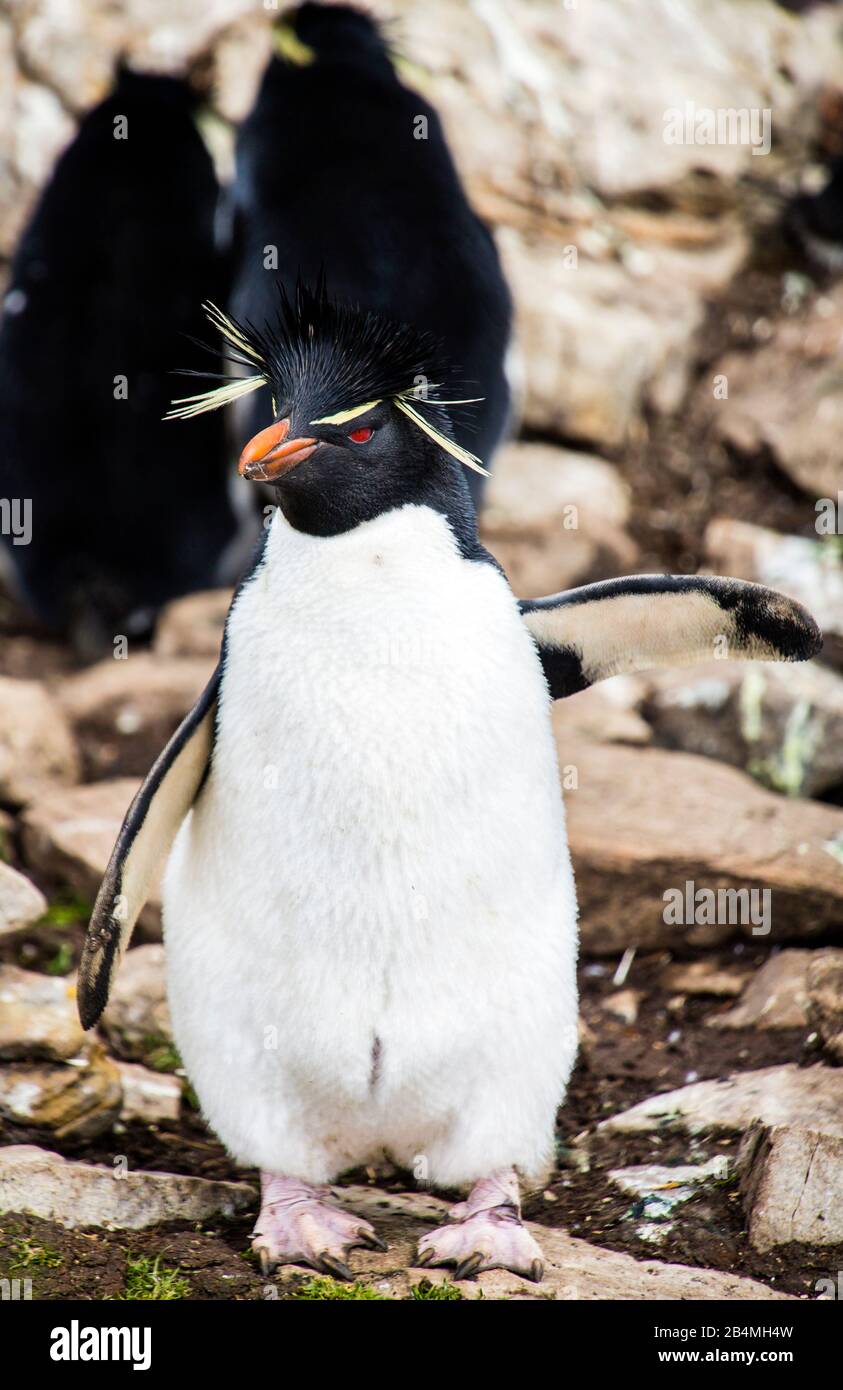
144,841
646,620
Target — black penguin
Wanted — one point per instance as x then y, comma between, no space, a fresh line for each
127,511
341,166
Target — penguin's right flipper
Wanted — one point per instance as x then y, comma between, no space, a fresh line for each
647,620
144,841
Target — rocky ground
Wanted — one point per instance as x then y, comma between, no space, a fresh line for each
701,1145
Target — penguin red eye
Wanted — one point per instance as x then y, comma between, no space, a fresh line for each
361,436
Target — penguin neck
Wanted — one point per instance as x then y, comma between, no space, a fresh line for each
443,489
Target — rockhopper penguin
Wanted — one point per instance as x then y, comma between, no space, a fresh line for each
105,290
369,908
367,188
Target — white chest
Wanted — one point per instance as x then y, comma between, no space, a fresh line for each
378,857
382,714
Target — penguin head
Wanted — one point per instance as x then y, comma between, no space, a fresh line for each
360,425
331,474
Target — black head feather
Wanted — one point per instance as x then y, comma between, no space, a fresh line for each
322,358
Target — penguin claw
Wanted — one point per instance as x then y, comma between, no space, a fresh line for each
329,1264
296,1225
470,1266
485,1232
371,1241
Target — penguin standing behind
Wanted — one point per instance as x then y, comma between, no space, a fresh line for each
340,165
369,909
127,511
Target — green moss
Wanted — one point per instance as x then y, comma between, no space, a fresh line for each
62,962
786,769
424,1291
65,911
324,1289
25,1255
160,1053
148,1280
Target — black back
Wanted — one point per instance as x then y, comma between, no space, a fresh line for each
109,277
330,173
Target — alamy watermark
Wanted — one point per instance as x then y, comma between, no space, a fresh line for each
16,519
722,907
707,125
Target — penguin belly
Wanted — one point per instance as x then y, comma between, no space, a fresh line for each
369,913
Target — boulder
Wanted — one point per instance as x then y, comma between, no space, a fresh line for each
193,626
824,986
68,836
807,1097
149,1096
44,1184
650,831
606,713
535,488
786,397
137,1018
123,712
574,1269
76,1099
781,723
606,340
777,997
38,1018
37,750
791,1186
21,903
701,977
547,562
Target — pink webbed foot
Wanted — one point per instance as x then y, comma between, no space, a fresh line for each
299,1225
487,1233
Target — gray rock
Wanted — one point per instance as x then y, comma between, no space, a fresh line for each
193,626
38,1018
546,562
68,836
791,1186
777,997
37,750
76,1099
603,343
781,723
539,487
785,397
808,1097
43,1184
643,823
123,712
704,977
137,1019
149,1096
824,985
573,1268
606,713
21,903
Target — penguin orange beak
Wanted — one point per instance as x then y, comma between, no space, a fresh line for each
270,454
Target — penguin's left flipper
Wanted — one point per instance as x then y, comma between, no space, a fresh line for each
144,841
646,620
